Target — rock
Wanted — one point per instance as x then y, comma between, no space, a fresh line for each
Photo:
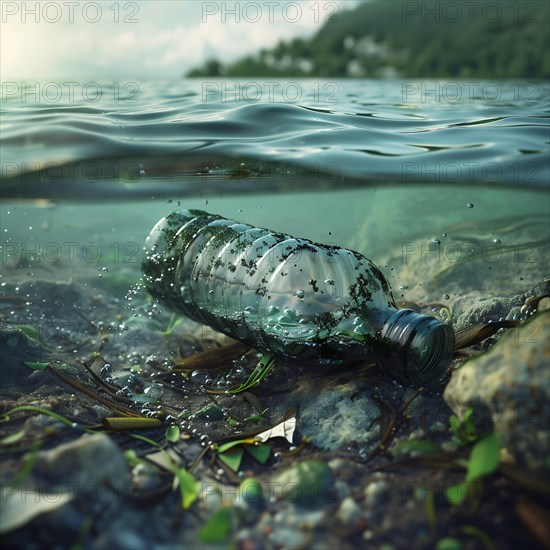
510,383
17,346
283,537
309,483
335,414
121,540
88,466
348,513
374,493
468,310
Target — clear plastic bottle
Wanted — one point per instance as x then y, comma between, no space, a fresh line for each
289,297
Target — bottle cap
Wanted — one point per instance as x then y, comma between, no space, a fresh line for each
418,348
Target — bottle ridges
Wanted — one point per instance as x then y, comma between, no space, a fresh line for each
283,295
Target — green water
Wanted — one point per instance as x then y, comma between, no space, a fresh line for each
496,235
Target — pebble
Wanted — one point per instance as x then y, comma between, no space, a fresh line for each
374,492
348,513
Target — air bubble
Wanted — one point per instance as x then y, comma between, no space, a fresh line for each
470,205
201,377
300,294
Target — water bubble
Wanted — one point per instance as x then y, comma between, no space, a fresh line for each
201,377
205,202
329,282
300,294
437,242
497,241
446,296
470,205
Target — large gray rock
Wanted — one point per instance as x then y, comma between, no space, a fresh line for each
511,383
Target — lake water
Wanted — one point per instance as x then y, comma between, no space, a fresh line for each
443,184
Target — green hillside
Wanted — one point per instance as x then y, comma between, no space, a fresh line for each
497,39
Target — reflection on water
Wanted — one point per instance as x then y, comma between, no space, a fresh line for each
189,137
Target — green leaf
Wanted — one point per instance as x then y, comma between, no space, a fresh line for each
132,458
38,410
476,532
455,424
448,543
257,375
418,446
229,445
259,452
145,440
456,494
464,430
232,458
217,528
12,438
172,433
189,487
36,365
484,458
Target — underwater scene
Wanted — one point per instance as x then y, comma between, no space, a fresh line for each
157,429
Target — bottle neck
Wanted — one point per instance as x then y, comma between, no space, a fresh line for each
418,348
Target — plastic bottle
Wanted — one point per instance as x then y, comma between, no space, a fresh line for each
289,297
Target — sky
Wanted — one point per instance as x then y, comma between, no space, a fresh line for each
145,38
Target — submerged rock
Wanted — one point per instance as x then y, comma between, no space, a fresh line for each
468,310
91,463
309,483
510,383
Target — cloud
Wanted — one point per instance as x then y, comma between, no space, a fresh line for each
157,39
